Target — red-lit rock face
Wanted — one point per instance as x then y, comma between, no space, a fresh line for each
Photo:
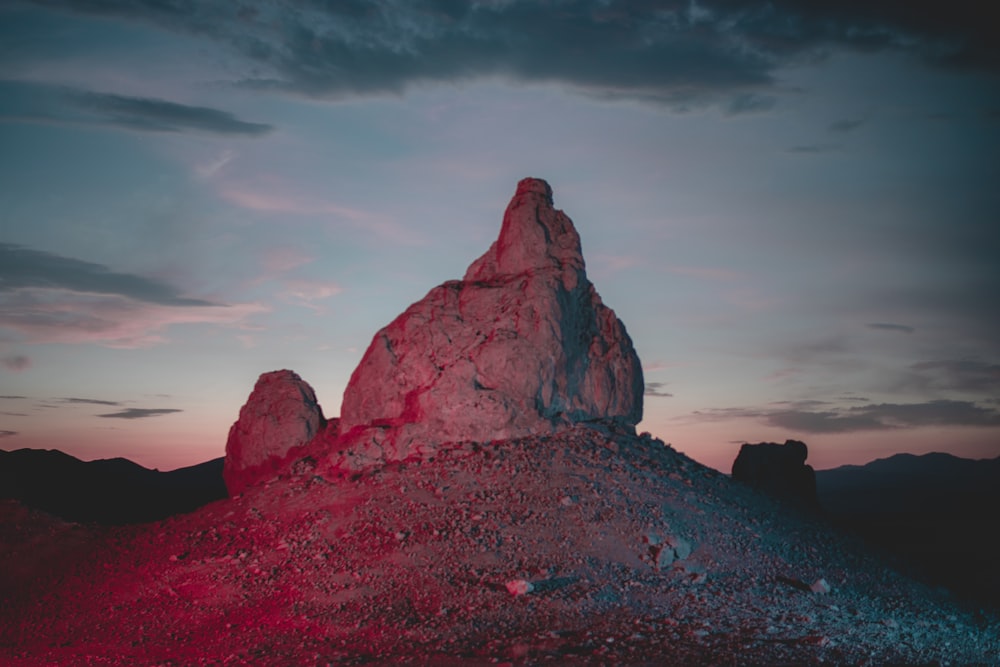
281,414
523,345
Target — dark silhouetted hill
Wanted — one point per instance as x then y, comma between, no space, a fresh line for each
938,514
108,491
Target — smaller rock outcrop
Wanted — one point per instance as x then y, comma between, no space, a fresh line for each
279,419
778,470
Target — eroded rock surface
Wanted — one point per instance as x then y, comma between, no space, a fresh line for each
522,345
280,416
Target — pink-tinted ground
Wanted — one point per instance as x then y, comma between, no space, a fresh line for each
415,562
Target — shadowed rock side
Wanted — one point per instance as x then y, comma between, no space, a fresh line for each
279,419
779,470
522,345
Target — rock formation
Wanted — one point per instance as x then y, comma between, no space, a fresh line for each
779,470
522,345
279,419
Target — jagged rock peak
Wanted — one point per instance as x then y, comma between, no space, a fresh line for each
534,236
280,415
523,345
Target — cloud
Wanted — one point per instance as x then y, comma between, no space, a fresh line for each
62,316
89,401
304,292
874,417
885,326
655,389
26,101
22,267
48,298
7,434
280,198
139,413
13,398
964,375
155,115
812,149
846,125
682,54
16,362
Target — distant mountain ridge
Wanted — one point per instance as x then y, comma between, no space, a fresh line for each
935,483
108,491
938,514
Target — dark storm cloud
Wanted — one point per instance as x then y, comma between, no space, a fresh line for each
22,267
38,102
876,417
139,413
89,401
17,362
887,326
656,389
673,52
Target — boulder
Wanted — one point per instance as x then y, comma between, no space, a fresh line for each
280,418
778,470
521,345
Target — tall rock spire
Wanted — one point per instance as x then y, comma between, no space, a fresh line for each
523,345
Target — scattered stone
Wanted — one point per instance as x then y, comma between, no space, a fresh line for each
820,586
519,587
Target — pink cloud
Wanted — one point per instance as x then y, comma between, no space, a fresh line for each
307,292
278,198
707,273
281,260
16,362
62,316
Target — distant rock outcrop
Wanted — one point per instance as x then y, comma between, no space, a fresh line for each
522,345
779,470
280,417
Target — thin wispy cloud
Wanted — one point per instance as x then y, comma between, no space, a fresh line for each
812,149
154,115
139,413
7,434
965,375
824,418
36,102
16,362
280,198
22,267
89,401
846,125
49,298
888,326
656,389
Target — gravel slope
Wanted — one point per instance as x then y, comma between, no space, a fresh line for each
586,547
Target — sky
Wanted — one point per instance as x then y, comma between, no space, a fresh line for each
793,207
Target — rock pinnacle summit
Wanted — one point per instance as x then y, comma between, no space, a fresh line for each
522,345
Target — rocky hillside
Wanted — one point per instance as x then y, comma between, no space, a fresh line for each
585,545
482,499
